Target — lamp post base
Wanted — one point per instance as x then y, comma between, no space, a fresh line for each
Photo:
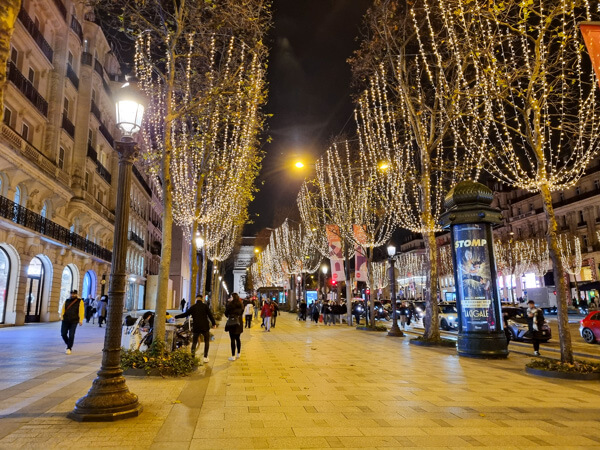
395,332
492,345
108,400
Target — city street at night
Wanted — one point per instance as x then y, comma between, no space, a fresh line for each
299,386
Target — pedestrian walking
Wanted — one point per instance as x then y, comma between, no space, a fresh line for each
102,310
535,321
266,313
201,315
233,312
87,305
182,304
248,311
303,310
72,314
275,310
331,313
404,312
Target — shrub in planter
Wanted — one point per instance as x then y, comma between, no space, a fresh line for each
419,340
377,327
156,358
551,365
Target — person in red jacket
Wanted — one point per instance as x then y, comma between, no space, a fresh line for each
266,312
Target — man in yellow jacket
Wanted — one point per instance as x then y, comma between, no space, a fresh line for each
73,312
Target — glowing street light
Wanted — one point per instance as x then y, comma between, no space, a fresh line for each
299,165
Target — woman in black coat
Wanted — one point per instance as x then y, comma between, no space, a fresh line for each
234,311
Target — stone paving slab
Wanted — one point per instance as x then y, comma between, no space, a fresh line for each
300,386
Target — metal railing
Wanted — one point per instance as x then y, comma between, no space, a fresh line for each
36,34
96,111
76,27
98,68
71,75
139,177
103,172
24,85
33,221
61,7
68,126
104,131
92,153
135,238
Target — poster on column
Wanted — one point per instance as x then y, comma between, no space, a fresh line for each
360,260
336,257
474,278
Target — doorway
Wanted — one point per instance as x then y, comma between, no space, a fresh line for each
34,290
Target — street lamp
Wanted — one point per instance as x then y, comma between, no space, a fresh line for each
109,399
324,270
395,330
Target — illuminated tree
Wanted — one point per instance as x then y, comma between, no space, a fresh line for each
412,117
512,260
410,266
538,257
381,275
540,104
570,256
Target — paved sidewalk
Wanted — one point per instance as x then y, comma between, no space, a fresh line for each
309,386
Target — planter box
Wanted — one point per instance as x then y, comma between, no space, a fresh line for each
563,375
153,373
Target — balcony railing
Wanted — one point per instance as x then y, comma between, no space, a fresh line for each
27,89
98,68
135,238
36,34
86,59
33,221
92,153
71,75
68,126
96,111
76,27
61,8
139,177
104,131
103,172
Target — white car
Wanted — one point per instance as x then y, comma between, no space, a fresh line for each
448,316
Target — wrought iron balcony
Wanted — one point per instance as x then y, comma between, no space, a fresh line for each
104,131
76,27
96,111
61,8
103,172
139,177
135,238
86,59
27,89
33,221
71,75
98,68
92,153
68,126
36,34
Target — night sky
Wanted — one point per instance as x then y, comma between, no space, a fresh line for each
309,95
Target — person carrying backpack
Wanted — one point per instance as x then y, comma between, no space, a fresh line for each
535,321
72,313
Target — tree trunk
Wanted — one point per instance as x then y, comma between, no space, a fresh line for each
202,289
566,348
348,291
431,321
371,286
577,288
214,302
293,302
194,257
8,16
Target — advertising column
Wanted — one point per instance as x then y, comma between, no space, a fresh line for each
470,217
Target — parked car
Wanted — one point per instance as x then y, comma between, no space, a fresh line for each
448,316
517,327
589,327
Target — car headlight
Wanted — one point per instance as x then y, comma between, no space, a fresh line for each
451,318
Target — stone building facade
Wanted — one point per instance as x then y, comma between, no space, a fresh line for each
58,169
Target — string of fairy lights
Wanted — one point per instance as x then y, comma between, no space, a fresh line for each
214,125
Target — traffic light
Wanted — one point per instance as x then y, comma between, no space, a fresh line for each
333,282
368,291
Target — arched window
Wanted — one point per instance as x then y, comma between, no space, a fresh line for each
44,210
4,278
18,195
66,286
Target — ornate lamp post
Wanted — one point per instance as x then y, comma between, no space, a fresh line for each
395,330
109,398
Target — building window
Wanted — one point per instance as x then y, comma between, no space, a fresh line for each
100,196
86,181
561,196
90,138
531,208
519,211
4,277
70,59
7,116
581,217
596,184
14,55
66,107
44,210
31,76
18,195
94,95
25,131
61,158
585,242
577,190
